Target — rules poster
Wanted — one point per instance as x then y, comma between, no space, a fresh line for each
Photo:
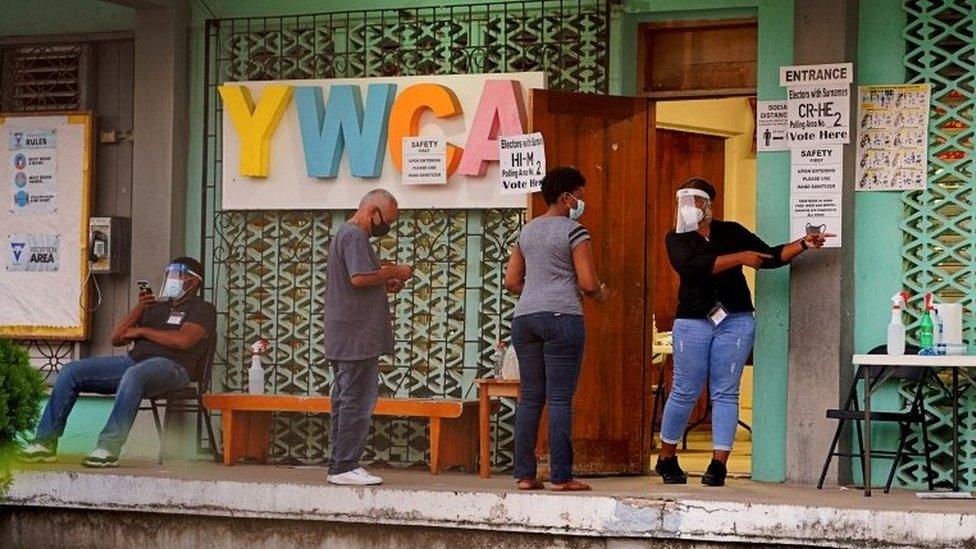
892,137
32,169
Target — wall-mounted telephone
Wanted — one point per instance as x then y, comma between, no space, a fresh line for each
108,245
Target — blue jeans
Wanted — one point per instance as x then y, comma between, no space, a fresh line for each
703,352
549,347
355,388
129,381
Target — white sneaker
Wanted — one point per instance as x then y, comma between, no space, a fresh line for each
36,452
101,459
356,477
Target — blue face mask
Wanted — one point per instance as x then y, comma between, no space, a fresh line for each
577,212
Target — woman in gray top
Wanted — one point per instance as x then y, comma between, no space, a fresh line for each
552,264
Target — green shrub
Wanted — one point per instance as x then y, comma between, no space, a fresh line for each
21,391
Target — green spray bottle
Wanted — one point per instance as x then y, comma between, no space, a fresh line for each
926,327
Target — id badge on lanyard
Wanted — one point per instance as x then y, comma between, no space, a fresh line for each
176,318
718,314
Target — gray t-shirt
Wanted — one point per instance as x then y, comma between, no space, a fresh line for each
358,324
547,244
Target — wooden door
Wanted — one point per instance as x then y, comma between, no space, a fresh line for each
679,156
607,139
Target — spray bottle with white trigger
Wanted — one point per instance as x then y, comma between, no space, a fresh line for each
255,374
896,329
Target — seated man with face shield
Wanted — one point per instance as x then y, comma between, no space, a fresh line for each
169,334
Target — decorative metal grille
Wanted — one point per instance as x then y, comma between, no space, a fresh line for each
938,229
267,268
43,78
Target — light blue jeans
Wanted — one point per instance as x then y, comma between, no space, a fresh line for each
704,352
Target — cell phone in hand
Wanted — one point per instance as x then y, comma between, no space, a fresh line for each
144,287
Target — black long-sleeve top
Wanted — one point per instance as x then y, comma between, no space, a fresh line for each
693,257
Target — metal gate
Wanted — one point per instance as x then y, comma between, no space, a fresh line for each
266,268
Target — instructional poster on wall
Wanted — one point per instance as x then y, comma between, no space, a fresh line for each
771,126
32,170
522,163
816,181
44,263
892,137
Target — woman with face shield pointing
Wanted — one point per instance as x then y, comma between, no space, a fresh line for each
714,327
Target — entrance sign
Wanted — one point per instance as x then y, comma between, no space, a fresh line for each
818,104
771,126
424,161
321,144
523,163
816,181
892,137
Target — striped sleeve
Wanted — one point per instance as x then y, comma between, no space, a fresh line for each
577,236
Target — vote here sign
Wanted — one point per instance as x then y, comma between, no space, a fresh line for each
818,104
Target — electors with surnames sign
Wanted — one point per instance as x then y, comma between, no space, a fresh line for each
816,182
818,104
522,163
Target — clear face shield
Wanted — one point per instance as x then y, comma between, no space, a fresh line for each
176,281
689,215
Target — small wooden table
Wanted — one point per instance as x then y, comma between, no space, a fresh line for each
246,423
488,389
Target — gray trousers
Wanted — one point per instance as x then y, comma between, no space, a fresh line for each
355,386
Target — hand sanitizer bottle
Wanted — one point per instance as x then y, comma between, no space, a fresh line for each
926,328
255,374
896,329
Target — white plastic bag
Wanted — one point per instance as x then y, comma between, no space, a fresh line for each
510,365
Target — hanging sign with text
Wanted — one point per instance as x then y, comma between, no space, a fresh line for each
424,161
818,104
522,163
816,189
771,126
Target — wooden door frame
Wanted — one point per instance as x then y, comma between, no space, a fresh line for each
642,30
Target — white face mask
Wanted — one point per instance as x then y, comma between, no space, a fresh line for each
176,281
577,212
689,216
172,289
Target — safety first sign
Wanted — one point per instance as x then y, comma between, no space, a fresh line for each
818,104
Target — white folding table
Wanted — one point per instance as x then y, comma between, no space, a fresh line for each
956,363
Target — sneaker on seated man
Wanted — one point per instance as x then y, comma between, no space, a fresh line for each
169,336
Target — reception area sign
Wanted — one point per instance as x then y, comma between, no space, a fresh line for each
321,144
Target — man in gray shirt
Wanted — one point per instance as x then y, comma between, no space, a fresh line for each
358,329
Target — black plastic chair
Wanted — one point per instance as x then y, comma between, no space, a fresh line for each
187,400
914,414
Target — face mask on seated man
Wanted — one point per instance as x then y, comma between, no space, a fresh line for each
177,281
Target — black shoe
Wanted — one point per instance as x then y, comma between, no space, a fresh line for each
715,474
670,471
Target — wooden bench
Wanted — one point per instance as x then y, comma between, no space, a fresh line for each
246,421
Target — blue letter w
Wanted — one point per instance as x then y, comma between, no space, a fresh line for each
328,129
